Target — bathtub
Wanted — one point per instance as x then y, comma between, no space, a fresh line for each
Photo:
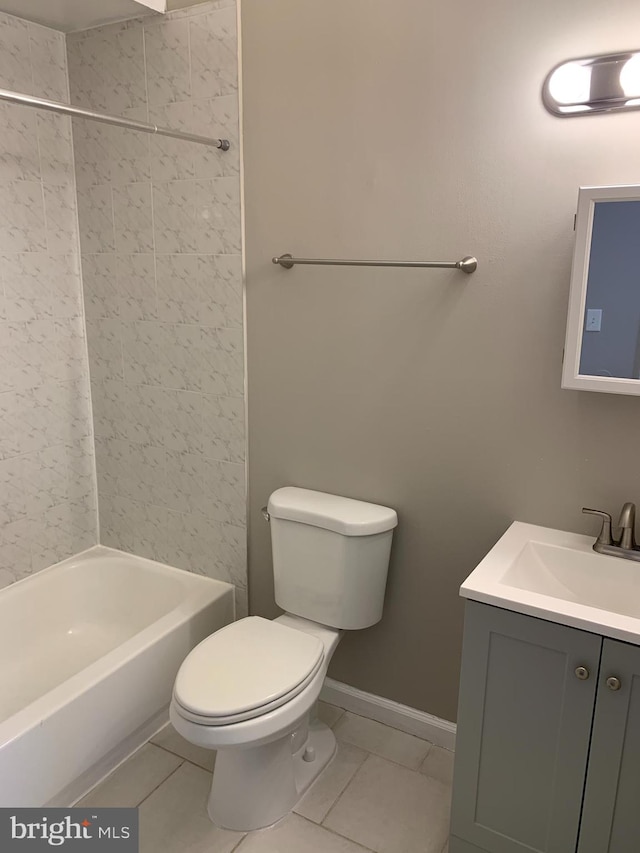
89,650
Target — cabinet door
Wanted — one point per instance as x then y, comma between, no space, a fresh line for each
524,721
611,816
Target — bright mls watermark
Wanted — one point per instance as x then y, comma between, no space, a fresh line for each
73,830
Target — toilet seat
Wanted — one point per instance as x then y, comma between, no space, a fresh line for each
244,671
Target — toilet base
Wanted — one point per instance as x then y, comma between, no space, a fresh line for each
253,788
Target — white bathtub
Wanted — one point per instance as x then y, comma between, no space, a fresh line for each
89,650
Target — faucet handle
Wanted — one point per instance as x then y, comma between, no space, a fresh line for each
627,525
605,537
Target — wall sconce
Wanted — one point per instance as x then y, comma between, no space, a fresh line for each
594,84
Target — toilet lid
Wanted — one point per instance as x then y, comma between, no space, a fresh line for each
246,666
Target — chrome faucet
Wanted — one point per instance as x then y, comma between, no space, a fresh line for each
624,543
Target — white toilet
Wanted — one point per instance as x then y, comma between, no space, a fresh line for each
249,689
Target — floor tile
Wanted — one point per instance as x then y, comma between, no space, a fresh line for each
331,783
297,835
382,740
329,714
168,738
174,818
439,765
392,809
134,780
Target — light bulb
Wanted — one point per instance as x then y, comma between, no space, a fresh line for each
570,83
630,77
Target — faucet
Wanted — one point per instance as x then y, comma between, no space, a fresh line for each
623,544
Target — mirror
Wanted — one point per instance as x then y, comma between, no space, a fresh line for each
602,349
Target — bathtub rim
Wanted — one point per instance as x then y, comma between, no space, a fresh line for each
29,717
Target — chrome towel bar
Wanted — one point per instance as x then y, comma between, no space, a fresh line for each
467,264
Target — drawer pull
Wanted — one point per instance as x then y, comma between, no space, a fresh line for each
582,673
613,683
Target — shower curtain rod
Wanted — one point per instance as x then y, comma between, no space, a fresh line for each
105,118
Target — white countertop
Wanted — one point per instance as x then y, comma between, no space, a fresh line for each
556,575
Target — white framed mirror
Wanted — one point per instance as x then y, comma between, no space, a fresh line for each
602,347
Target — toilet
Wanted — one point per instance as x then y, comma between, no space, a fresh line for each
249,690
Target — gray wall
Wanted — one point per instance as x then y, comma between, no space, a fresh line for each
162,273
416,130
47,473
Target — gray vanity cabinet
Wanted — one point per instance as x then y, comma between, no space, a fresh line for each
524,725
548,744
611,814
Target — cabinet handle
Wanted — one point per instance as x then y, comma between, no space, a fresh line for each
613,683
582,673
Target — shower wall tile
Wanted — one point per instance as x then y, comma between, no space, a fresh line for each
63,272
19,155
105,349
15,62
175,217
223,428
130,152
168,61
224,491
13,490
15,551
184,489
100,282
61,217
28,294
201,289
162,274
172,159
106,68
121,59
48,63
22,222
223,373
95,211
216,117
139,528
94,153
202,9
133,218
55,149
214,65
47,481
136,287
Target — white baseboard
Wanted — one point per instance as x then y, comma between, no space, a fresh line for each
409,720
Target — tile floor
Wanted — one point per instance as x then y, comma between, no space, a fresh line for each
385,791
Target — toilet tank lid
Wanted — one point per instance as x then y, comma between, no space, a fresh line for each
332,512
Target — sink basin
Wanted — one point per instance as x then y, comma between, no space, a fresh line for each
557,576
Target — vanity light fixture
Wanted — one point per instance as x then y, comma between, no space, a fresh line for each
594,84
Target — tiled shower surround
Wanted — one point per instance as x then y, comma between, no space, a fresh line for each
160,243
47,481
160,239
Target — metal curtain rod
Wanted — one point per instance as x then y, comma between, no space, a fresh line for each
105,118
467,264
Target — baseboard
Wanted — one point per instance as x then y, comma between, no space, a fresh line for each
402,717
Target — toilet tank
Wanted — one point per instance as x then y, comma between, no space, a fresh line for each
330,556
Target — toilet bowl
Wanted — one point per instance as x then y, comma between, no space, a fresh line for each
249,691
270,746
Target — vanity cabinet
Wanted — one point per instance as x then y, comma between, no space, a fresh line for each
611,815
547,753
